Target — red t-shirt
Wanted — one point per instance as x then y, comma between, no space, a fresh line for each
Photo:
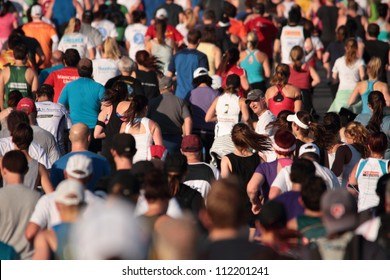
59,78
300,79
266,33
170,33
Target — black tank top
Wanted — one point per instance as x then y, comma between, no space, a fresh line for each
112,127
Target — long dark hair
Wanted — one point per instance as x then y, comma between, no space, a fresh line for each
377,102
229,58
244,137
149,61
137,104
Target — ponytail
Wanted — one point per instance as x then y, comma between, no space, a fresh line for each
377,102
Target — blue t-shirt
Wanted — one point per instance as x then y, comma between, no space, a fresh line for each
150,7
101,168
46,72
7,252
63,11
183,65
83,97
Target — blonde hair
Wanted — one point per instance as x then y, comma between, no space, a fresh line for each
73,26
252,40
190,18
359,135
373,67
351,48
111,49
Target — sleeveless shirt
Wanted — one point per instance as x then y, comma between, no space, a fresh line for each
142,141
367,175
276,106
228,111
364,97
17,81
253,67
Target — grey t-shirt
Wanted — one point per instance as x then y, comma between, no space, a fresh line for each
169,112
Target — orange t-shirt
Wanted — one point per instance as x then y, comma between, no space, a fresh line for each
237,28
43,33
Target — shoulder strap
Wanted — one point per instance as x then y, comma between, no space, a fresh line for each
362,163
383,164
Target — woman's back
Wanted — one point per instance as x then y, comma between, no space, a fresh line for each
301,78
348,74
227,111
149,82
280,98
163,52
143,138
253,67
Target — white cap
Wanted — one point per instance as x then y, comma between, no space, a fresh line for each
309,148
36,11
69,192
201,71
161,13
217,82
79,166
294,118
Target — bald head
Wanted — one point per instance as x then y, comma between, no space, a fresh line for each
57,57
79,133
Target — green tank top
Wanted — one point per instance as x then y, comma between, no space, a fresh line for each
17,81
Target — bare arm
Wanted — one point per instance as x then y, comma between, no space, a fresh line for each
266,66
244,111
298,101
226,167
156,133
187,126
211,112
244,81
314,76
253,190
361,72
98,133
386,95
45,180
354,95
31,231
42,250
274,192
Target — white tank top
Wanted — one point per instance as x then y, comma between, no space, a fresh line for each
142,141
228,111
368,173
291,36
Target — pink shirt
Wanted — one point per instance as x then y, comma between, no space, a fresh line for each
7,25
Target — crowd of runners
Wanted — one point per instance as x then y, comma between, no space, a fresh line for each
167,130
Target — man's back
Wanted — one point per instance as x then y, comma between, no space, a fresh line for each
60,78
17,203
183,64
169,112
83,97
53,118
101,168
